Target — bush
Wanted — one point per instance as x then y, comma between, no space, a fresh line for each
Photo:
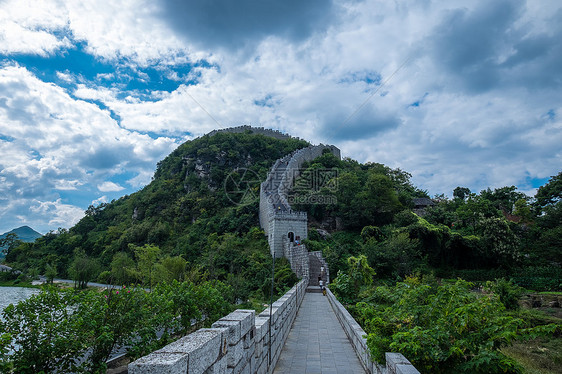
442,329
507,292
69,331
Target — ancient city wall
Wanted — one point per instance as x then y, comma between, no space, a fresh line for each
240,342
276,216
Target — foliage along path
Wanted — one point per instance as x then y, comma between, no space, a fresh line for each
317,342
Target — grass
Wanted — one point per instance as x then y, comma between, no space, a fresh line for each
17,284
542,355
538,356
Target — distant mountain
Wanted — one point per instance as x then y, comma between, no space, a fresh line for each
24,233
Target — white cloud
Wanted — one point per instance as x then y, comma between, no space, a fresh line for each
100,200
27,27
59,144
67,185
56,213
108,186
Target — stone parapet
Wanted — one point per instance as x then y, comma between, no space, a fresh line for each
239,342
397,364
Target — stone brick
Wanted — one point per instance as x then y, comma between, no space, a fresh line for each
160,363
233,327
244,316
204,347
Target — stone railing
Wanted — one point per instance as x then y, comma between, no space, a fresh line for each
236,343
396,363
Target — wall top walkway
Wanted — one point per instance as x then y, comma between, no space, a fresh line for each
317,343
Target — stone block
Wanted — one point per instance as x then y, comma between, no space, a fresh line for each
233,328
235,354
243,366
218,367
396,363
262,327
244,316
248,339
204,347
160,363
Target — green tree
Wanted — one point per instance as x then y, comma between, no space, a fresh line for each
170,268
121,267
348,284
461,193
83,269
8,243
146,256
42,334
50,272
551,193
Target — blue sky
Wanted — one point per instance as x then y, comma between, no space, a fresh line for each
94,93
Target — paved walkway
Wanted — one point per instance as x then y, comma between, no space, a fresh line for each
317,343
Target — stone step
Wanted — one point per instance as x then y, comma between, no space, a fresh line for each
313,289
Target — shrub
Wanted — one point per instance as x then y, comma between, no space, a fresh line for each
442,329
507,292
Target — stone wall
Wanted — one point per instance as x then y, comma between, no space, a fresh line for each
396,363
236,343
298,258
276,216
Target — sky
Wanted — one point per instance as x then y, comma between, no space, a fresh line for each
94,93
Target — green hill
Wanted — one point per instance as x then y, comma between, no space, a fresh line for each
198,219
201,207
23,233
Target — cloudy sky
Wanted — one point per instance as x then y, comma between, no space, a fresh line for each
94,93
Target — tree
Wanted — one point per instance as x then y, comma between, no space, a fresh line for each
379,200
550,193
83,268
42,333
146,262
500,243
348,284
461,193
50,272
442,329
9,242
121,267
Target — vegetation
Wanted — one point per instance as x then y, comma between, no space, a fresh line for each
480,237
67,331
502,239
443,328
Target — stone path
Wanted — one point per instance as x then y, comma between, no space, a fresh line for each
317,343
